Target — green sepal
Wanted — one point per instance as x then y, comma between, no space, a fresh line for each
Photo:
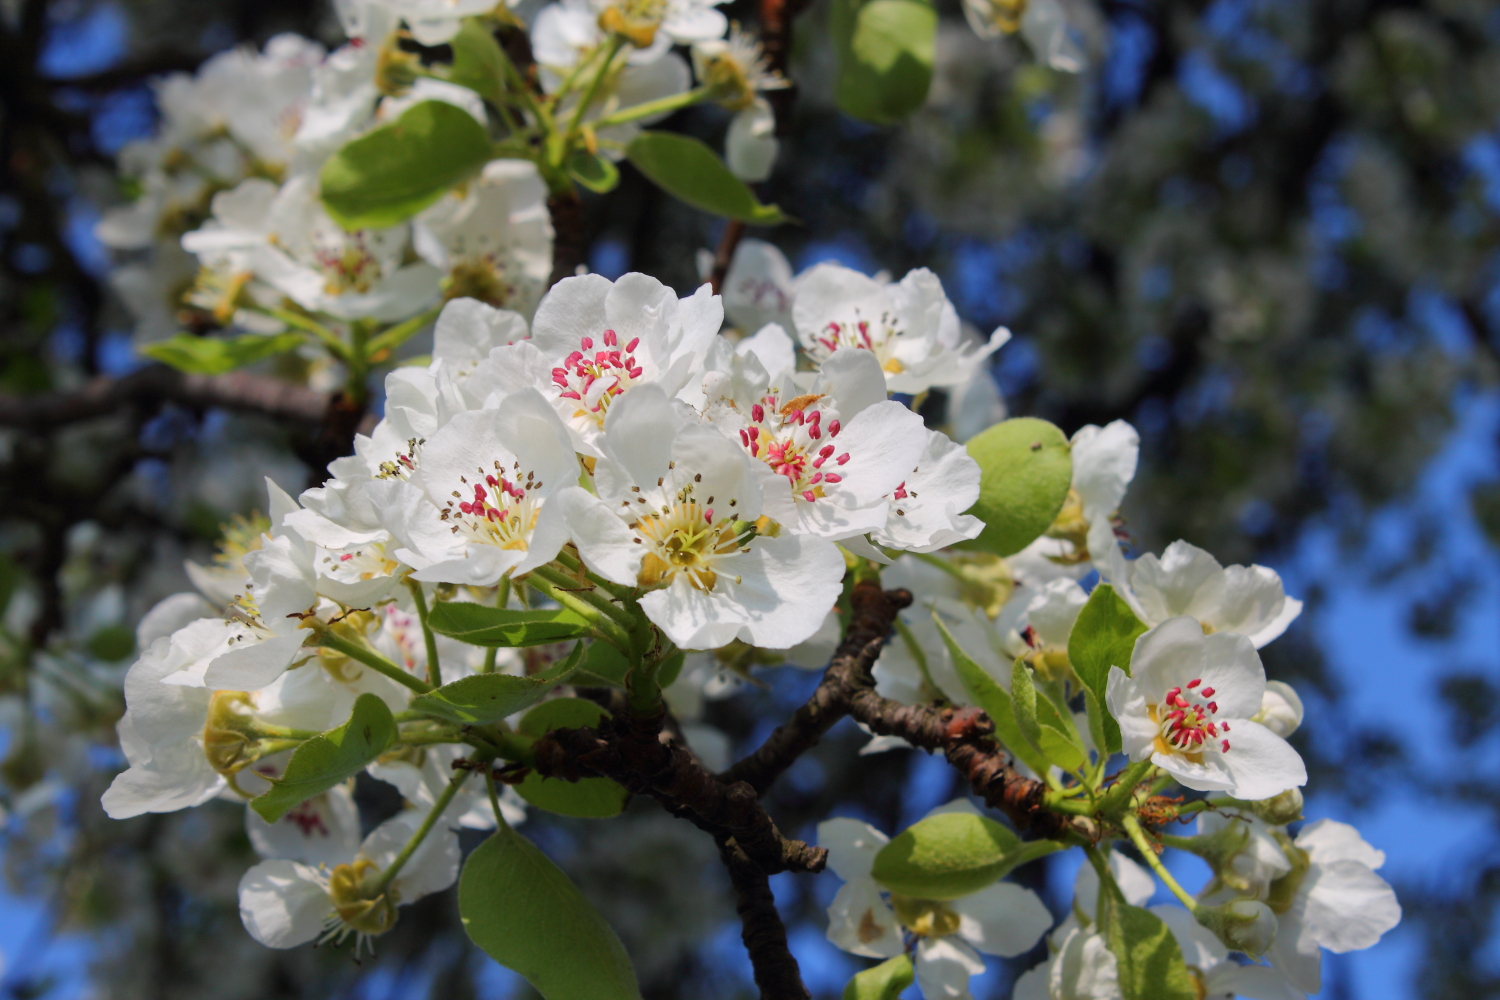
881,982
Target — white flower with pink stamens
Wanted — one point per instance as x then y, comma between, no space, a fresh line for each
910,327
1187,705
593,341
676,512
841,448
486,477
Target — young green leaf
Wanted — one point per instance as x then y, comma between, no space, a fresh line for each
1058,736
1023,700
484,698
590,798
478,62
394,171
987,693
1104,636
1098,718
216,355
882,982
687,169
1151,966
593,171
524,913
884,51
946,856
482,625
329,758
603,664
1025,472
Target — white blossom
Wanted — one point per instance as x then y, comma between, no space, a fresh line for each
1186,580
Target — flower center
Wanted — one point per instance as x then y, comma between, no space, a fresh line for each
347,265
594,378
879,338
794,442
685,536
364,563
504,517
1187,726
925,917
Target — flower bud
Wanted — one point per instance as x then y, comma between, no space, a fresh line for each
1280,709
1279,810
1241,925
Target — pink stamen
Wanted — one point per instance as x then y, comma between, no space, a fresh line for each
834,477
1208,692
610,340
809,496
708,515
843,458
1194,683
346,557
1213,706
586,343
833,428
1224,744
630,347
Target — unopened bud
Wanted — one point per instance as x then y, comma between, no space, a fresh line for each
1279,810
1280,709
1241,925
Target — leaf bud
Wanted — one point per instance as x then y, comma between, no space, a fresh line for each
1245,925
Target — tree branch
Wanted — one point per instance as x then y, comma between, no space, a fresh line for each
156,384
775,968
569,236
630,751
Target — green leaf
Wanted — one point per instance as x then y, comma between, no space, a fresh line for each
482,625
1098,722
1151,966
329,758
593,171
1025,472
884,51
525,914
603,664
112,643
478,62
882,982
216,355
10,577
1023,699
1058,737
1104,636
987,693
393,172
946,856
590,798
687,169
486,698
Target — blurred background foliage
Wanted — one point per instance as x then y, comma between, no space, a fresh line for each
1264,231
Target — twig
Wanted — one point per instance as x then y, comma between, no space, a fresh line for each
629,750
724,254
775,967
569,236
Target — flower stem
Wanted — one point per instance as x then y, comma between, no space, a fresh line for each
603,625
434,669
371,659
661,105
616,43
393,337
557,578
438,807
325,336
1118,796
502,598
1148,851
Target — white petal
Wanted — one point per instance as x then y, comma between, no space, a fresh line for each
944,966
1261,763
253,665
859,921
1328,840
604,542
1104,461
1002,919
1200,947
852,846
322,830
750,145
283,904
1349,907
170,614
1253,982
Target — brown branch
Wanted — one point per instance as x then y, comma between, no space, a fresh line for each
963,735
775,967
724,253
628,749
569,236
157,384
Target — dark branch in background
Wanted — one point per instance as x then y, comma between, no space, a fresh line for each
570,245
776,18
158,384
